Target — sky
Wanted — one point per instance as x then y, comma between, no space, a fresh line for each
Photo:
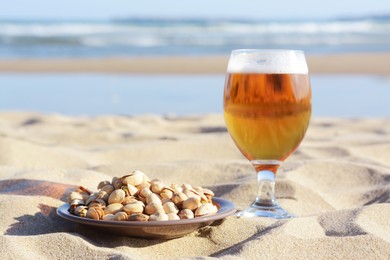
241,9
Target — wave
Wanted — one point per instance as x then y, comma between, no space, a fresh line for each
197,36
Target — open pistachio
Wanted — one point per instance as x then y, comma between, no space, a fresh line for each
95,213
113,208
102,184
186,214
74,195
133,208
209,194
178,199
129,199
116,196
152,197
81,211
173,216
158,216
192,203
167,192
138,217
135,178
130,190
170,207
206,209
120,216
153,207
108,217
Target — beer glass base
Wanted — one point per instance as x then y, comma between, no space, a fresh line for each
274,211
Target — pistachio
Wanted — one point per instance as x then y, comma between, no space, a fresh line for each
158,216
120,216
95,213
192,203
206,209
116,196
102,184
135,178
133,208
209,194
170,207
117,184
74,195
138,217
186,214
143,185
103,195
173,216
176,188
157,187
108,188
153,207
130,190
97,203
113,208
167,192
108,217
81,211
178,199
129,199
152,197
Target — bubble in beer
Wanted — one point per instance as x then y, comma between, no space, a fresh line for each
270,61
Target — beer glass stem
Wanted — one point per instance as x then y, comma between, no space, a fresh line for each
265,204
266,172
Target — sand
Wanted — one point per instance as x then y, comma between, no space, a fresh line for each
351,63
337,183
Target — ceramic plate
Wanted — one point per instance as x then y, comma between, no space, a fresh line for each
153,229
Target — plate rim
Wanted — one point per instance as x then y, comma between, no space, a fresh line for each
227,208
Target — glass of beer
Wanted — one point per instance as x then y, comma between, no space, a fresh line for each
267,109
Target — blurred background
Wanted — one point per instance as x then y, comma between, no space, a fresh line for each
95,30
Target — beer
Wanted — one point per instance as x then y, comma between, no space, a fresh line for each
267,114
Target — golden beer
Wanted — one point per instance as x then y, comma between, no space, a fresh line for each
267,115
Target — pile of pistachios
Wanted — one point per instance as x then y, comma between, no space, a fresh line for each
134,197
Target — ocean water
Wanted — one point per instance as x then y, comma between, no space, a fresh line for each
97,94
140,37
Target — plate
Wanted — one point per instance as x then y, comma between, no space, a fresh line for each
153,229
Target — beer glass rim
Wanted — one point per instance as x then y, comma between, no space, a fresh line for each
266,51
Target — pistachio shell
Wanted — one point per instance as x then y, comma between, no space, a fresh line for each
206,209
191,203
173,216
138,217
81,211
120,216
130,190
152,208
178,199
158,216
152,197
133,208
129,199
95,213
116,196
143,185
108,217
170,207
135,178
97,203
157,187
176,188
167,192
102,184
108,188
74,195
186,214
113,208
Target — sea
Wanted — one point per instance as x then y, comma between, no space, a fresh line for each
127,94
164,36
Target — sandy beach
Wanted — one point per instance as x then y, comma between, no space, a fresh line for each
337,182
352,63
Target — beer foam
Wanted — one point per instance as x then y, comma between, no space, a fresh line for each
267,61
